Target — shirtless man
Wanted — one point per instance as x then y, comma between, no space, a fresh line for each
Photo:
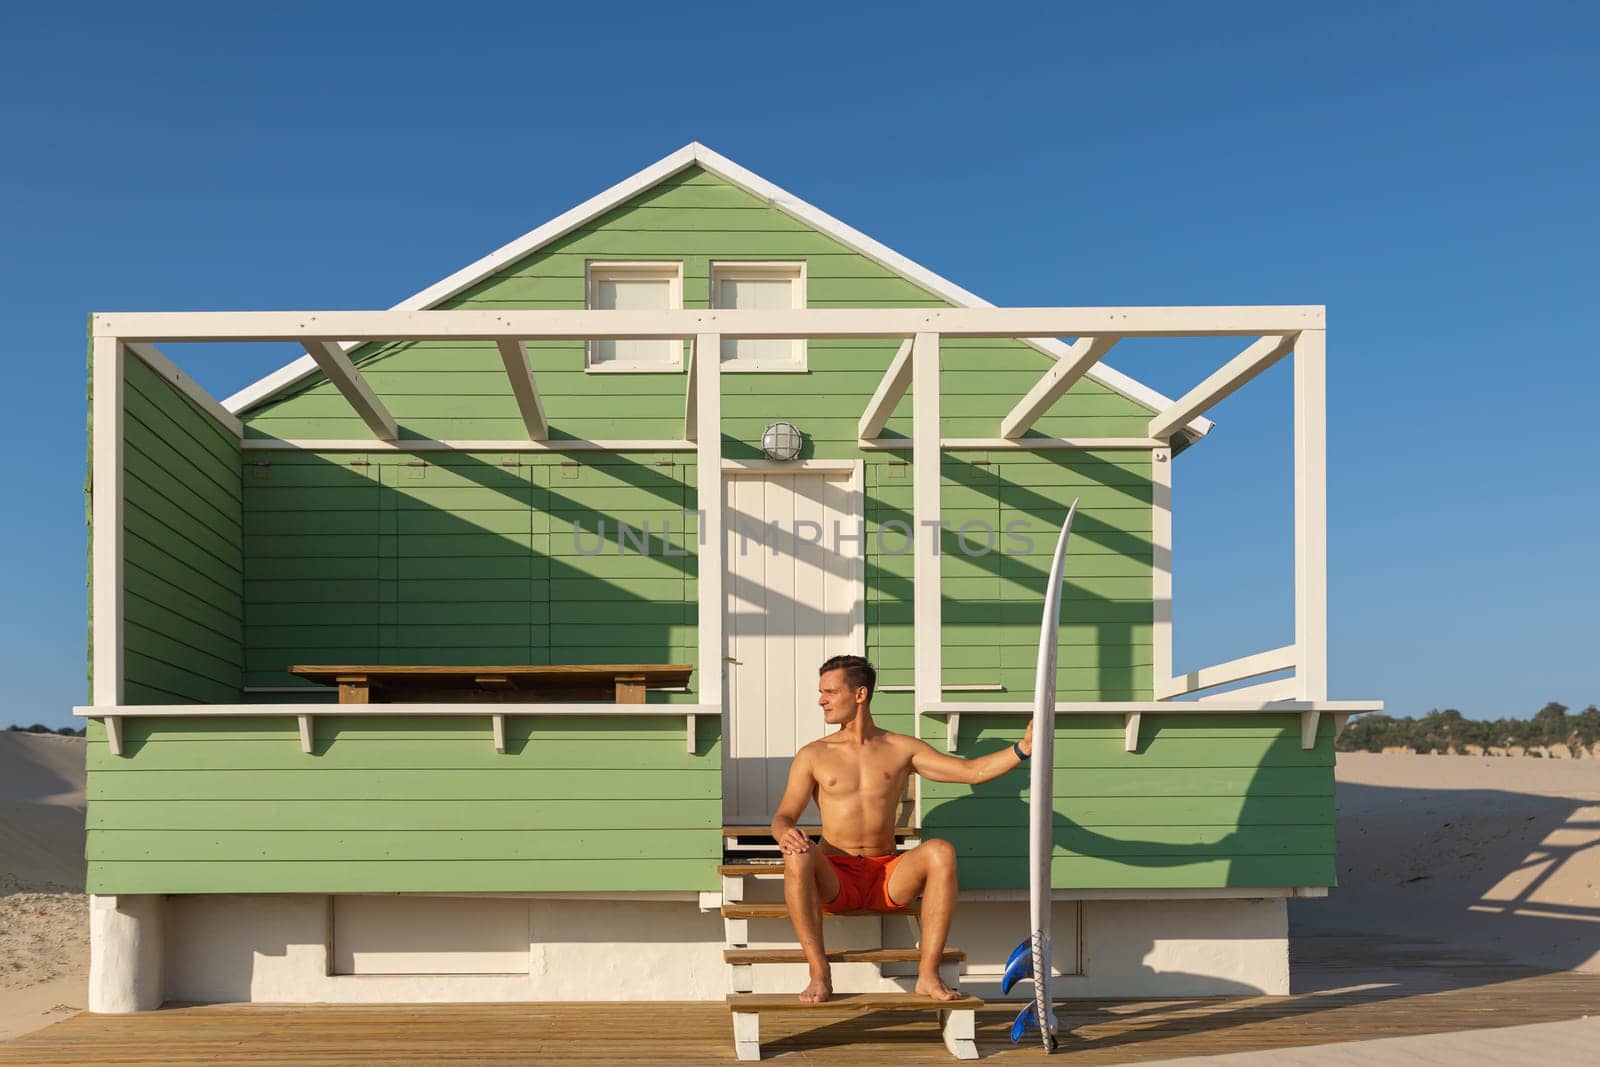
857,776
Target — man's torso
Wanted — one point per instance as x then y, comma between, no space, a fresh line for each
858,791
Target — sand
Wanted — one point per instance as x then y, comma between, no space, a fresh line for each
44,915
1499,857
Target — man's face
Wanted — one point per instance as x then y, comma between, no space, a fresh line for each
836,698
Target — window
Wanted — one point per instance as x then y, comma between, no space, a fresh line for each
765,286
635,287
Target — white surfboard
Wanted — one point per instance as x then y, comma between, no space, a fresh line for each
1041,811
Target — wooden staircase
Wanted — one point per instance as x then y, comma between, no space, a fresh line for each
751,854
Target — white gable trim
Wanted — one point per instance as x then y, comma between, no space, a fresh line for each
691,155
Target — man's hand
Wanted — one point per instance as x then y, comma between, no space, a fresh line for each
1027,739
793,841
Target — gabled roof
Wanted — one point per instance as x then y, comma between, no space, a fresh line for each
696,154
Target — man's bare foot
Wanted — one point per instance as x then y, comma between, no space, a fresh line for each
818,991
934,987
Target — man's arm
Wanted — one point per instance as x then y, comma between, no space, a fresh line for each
938,766
796,795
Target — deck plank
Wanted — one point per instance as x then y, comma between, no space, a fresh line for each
1369,991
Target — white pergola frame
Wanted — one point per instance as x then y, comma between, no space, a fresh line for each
1276,332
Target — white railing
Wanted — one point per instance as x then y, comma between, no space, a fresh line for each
1237,670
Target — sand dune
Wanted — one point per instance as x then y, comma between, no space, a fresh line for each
44,918
41,811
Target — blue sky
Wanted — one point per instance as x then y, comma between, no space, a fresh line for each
1429,172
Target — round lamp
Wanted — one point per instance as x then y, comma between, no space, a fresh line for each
781,441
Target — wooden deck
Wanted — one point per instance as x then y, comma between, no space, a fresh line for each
1352,990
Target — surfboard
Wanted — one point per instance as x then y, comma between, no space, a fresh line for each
1032,958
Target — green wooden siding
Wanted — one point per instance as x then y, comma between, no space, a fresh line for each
379,558
392,804
442,558
1207,801
183,570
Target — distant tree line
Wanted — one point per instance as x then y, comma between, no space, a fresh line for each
41,728
1450,731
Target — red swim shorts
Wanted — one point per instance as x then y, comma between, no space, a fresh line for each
863,883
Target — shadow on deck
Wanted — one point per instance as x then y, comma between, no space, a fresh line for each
1349,989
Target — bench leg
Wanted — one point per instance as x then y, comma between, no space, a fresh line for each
744,977
747,1035
959,1028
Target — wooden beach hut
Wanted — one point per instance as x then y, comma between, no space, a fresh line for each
455,660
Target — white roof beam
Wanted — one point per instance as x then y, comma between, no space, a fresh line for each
1223,383
525,388
1084,353
582,325
890,391
333,362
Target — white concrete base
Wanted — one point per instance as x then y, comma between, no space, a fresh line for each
1143,948
282,949
125,953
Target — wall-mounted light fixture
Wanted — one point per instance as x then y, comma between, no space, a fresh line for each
781,441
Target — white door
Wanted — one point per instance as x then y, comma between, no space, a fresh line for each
795,595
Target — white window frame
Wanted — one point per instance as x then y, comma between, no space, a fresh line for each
598,270
793,271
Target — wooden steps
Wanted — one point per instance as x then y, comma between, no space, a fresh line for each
837,955
957,1018
749,853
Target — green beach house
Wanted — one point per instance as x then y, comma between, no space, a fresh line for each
673,449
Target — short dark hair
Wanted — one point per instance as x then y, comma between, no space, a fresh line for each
858,671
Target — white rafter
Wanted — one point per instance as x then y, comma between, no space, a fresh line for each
525,389
1223,383
157,361
690,428
1084,354
344,376
896,380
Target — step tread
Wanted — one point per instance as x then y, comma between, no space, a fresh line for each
744,870
809,831
780,910
838,955
750,1002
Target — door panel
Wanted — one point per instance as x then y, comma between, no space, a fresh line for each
794,597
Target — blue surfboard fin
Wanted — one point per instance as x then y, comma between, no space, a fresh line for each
1017,968
1027,1019
1019,950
